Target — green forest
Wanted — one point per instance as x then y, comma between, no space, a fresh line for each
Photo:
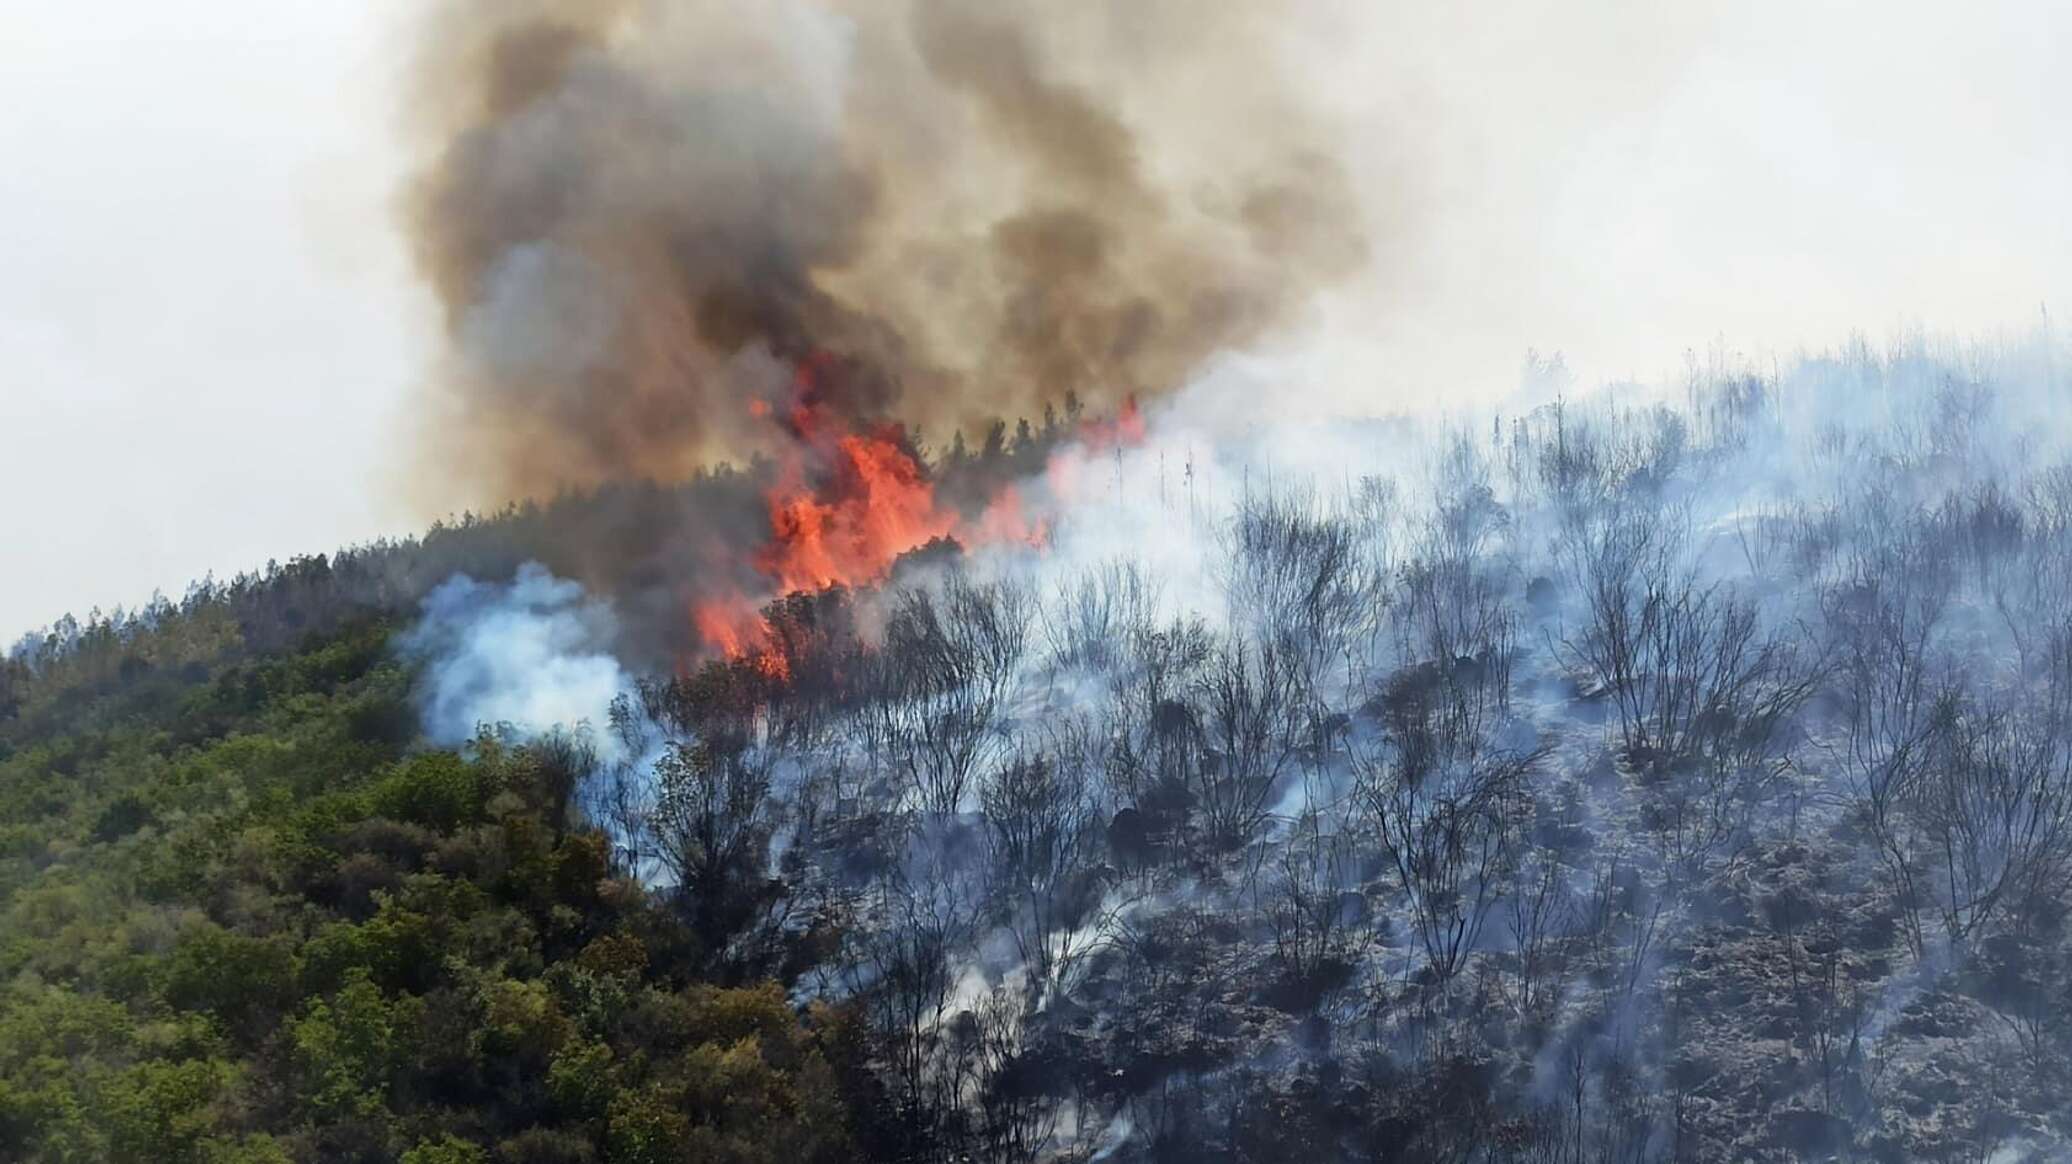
244,918
247,914
245,921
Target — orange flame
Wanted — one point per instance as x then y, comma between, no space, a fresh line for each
876,506
734,627
1004,521
1070,471
1125,430
847,503
730,625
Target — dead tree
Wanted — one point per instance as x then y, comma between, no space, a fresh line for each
1539,911
1446,809
1253,716
912,950
1688,667
1012,1106
711,824
1312,904
1992,813
559,762
1702,691
1093,622
949,660
1895,695
1450,607
621,797
1044,832
1296,576
1155,726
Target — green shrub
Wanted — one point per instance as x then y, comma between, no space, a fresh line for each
439,790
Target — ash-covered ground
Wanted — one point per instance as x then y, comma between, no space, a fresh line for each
1672,775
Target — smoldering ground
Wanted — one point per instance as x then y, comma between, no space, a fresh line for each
1330,762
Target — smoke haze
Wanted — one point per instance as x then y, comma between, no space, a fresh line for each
640,216
1621,184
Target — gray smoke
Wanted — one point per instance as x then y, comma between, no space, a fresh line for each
640,217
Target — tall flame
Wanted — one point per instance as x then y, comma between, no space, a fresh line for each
876,505
847,502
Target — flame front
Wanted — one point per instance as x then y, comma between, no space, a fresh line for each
848,501
876,505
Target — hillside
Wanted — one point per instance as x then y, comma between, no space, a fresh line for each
1622,779
247,920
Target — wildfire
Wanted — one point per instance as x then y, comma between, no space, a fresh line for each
1003,521
1126,430
847,501
730,625
1069,474
876,505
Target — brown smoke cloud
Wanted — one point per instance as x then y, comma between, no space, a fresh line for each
640,215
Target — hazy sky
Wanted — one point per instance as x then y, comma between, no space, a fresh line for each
208,330
206,323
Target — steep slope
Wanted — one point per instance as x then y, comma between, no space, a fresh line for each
1624,779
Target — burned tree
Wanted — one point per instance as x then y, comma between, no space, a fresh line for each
1044,831
1539,911
692,800
1095,621
1704,694
1992,814
1445,801
908,959
1450,837
1254,712
1157,734
950,655
1006,1080
1309,894
1297,577
1896,696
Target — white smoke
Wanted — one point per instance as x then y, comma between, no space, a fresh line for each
529,655
1726,456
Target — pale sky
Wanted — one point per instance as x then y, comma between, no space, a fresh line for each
208,329
206,321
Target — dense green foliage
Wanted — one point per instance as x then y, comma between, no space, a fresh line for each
245,917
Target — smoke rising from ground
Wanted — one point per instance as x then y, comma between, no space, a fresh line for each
529,655
1302,754
641,217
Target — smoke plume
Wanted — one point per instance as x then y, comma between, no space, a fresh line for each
527,656
641,218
